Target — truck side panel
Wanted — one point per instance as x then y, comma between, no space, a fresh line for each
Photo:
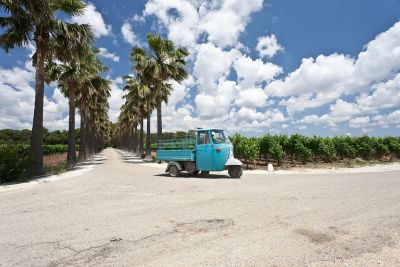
176,155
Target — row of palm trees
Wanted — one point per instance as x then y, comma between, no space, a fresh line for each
147,87
64,54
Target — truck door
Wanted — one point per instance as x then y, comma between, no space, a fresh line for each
204,150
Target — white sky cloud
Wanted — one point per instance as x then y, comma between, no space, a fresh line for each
17,98
103,52
193,18
228,85
268,46
252,72
94,18
128,34
116,99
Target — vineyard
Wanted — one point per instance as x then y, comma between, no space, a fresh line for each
14,159
281,149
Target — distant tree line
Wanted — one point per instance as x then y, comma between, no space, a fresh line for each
10,136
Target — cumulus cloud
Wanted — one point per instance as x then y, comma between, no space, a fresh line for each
359,122
224,21
212,63
116,99
251,72
218,103
103,52
254,97
187,20
371,80
17,98
268,46
94,18
128,34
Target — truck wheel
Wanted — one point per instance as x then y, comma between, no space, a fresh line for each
205,172
173,171
235,171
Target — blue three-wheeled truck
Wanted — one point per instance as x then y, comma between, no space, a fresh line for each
203,150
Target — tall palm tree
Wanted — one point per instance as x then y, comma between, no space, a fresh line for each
92,102
33,20
75,69
146,90
161,63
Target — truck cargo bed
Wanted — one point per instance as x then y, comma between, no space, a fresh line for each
176,150
176,155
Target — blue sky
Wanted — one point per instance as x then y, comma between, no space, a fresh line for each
278,66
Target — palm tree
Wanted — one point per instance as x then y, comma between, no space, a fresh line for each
93,105
75,69
139,101
33,20
161,63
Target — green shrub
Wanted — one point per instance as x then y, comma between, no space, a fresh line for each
344,147
266,142
302,148
14,161
381,150
250,148
328,150
270,148
393,144
277,152
316,145
364,147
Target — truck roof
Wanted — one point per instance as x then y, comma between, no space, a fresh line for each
206,129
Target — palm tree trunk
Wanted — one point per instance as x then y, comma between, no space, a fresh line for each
135,139
130,139
141,138
148,141
36,142
71,155
159,116
82,144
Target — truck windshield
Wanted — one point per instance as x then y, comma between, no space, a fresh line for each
219,137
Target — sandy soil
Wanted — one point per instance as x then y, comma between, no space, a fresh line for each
124,213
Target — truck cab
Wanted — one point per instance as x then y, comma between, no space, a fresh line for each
202,150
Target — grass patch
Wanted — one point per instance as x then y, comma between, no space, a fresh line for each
55,169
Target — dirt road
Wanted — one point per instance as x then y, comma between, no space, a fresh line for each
121,213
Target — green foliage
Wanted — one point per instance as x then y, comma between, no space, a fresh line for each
279,148
9,136
344,147
270,147
328,150
364,147
14,161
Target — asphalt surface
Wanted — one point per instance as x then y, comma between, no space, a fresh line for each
121,213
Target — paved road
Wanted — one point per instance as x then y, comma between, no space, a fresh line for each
125,214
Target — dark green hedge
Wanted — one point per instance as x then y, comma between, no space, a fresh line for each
279,148
14,159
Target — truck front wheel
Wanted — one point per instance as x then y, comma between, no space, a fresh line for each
173,171
235,171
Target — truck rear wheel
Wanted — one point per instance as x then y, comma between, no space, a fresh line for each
173,171
235,171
